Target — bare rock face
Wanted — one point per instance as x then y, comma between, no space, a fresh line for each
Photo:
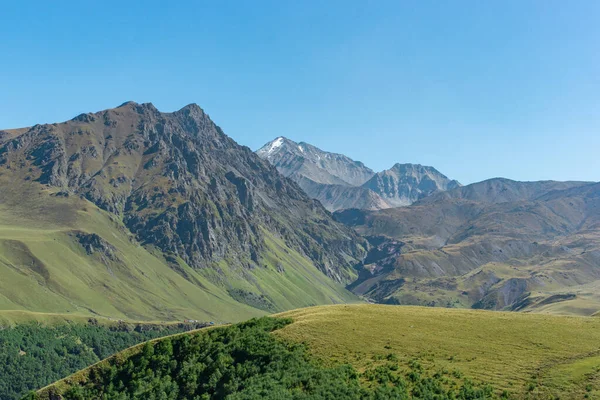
179,183
340,197
94,244
331,178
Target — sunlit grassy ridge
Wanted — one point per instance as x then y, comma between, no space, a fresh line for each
533,354
245,361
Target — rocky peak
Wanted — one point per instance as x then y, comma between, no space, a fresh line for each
128,103
179,183
403,184
193,110
138,108
340,182
412,168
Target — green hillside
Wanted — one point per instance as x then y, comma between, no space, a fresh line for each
359,352
45,268
549,356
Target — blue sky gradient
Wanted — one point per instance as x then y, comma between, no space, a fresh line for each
478,89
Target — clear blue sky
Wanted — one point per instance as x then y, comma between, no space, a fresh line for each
477,89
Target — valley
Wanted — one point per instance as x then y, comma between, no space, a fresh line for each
134,214
495,253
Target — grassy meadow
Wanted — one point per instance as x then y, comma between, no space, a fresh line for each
526,355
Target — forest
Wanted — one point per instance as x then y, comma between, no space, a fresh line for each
33,355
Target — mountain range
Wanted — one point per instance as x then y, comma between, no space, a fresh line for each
135,213
497,244
339,182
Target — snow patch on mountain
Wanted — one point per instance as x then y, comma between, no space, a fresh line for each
276,143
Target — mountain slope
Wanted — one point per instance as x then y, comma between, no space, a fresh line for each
403,184
339,197
214,221
358,352
452,251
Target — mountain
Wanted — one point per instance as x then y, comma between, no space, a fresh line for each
403,184
329,353
497,244
331,178
302,159
339,182
131,212
8,134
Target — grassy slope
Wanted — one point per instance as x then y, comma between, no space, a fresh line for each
586,302
513,351
45,269
12,318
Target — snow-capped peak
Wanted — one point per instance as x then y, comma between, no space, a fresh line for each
271,147
275,144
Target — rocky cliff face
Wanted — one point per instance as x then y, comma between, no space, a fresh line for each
180,184
403,184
